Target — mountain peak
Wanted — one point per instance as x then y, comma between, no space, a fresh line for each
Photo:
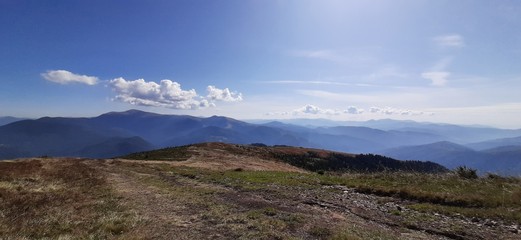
131,112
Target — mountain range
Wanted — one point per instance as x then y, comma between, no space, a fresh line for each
118,133
505,160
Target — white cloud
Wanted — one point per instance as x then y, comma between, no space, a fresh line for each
277,113
354,110
223,94
374,109
311,109
314,110
438,78
168,94
452,40
395,111
66,77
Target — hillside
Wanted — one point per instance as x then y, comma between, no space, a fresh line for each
206,154
236,195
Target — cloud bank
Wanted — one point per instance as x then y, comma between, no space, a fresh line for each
314,110
396,111
310,109
168,94
66,77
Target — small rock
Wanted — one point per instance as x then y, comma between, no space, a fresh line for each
490,223
513,229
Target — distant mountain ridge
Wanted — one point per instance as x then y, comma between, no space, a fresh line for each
450,132
504,160
72,136
6,120
515,141
118,133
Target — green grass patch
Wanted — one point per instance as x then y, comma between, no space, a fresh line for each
249,180
165,154
498,198
509,214
486,197
447,193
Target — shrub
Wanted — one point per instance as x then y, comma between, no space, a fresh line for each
494,176
258,145
466,172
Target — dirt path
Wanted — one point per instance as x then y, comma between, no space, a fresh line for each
162,213
185,206
156,212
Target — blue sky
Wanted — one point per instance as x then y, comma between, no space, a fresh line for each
437,61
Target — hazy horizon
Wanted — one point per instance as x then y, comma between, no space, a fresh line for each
292,120
428,61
